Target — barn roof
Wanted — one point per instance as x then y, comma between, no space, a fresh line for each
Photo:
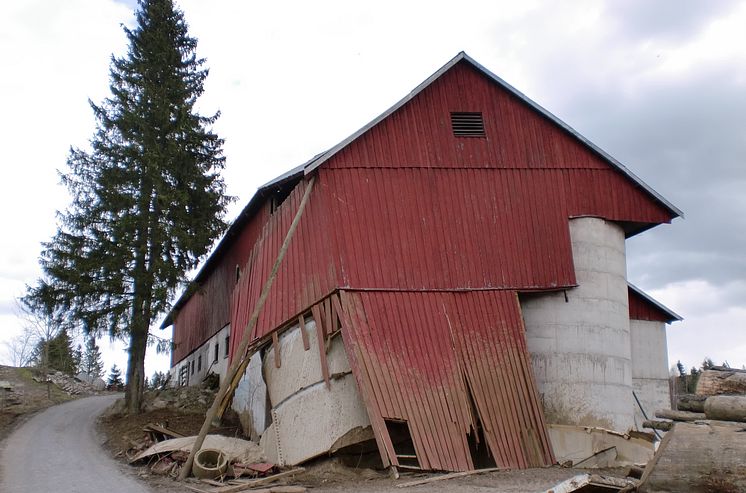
297,173
659,310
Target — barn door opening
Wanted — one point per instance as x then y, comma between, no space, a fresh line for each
401,439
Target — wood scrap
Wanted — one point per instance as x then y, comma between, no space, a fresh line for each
243,485
679,415
447,476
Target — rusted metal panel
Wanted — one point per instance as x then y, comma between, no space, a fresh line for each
424,357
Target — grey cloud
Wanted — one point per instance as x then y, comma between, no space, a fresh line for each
668,20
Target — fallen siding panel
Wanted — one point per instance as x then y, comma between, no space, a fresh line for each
423,357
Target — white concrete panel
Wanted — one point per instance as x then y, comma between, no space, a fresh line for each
250,399
579,340
307,417
204,360
300,368
310,422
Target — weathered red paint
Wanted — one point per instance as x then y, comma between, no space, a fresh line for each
425,357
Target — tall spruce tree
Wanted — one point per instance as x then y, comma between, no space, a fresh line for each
91,362
147,197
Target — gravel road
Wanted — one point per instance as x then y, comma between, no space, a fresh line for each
59,450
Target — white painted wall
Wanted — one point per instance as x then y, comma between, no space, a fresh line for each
649,367
580,345
203,360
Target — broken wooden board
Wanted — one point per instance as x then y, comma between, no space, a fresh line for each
591,483
698,458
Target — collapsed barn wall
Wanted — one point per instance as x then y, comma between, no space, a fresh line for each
579,339
307,417
649,367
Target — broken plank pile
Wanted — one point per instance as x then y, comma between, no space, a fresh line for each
239,485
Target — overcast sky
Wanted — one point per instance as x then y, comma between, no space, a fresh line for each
659,85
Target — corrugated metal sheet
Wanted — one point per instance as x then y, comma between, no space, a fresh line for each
306,275
424,357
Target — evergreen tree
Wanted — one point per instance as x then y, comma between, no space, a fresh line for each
58,352
147,198
114,382
91,363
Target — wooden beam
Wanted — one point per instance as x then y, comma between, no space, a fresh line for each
276,348
303,332
320,336
241,353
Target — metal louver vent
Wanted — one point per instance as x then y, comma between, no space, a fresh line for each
467,124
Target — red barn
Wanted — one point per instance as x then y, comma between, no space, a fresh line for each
456,280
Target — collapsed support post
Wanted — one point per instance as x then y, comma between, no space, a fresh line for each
243,350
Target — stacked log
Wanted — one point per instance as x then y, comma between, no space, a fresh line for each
705,444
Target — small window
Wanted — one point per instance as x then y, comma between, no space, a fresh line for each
227,346
199,363
467,124
192,367
217,352
238,273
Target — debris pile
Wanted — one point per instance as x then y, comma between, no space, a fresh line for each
195,399
71,385
224,465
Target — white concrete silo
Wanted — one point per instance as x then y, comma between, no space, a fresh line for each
579,339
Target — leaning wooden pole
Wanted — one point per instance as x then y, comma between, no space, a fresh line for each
246,338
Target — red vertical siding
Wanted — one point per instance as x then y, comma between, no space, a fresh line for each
642,309
423,357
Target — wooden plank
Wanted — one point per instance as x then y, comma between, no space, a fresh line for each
679,415
320,338
443,477
276,349
304,332
252,483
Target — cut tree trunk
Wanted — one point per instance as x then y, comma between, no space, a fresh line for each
725,381
726,407
698,458
691,402
679,415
